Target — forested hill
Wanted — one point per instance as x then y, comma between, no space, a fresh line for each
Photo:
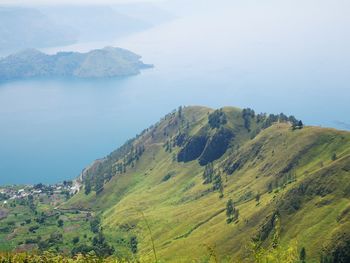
228,183
201,185
99,63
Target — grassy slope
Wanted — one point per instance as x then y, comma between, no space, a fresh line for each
186,220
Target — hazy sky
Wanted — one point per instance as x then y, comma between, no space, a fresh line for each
46,2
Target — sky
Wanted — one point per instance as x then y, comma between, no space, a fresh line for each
54,2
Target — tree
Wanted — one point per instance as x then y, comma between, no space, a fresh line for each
232,213
300,124
296,124
257,197
87,186
133,244
95,225
60,223
282,117
217,183
101,247
247,115
99,184
75,240
334,157
302,254
292,120
229,209
180,112
208,173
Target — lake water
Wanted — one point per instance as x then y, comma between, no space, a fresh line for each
51,129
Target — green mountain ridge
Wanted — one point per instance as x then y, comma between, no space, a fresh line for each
226,185
271,168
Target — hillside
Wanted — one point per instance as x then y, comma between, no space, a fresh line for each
225,185
285,182
99,63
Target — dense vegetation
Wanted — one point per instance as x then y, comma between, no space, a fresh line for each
205,185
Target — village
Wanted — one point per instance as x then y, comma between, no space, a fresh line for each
15,192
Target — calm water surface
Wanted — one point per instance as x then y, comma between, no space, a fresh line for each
51,129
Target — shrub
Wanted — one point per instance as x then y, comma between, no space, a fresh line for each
60,223
75,240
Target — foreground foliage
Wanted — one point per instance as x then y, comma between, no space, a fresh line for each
51,258
275,256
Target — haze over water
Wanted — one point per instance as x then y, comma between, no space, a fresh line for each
271,57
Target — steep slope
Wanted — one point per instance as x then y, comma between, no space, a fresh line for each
289,183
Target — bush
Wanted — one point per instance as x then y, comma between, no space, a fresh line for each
75,240
95,225
30,241
168,176
5,229
33,229
133,244
60,223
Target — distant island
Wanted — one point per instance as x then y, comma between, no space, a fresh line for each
98,63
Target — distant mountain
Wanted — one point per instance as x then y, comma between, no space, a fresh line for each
95,23
47,26
26,27
99,63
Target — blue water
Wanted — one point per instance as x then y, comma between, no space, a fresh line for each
51,129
